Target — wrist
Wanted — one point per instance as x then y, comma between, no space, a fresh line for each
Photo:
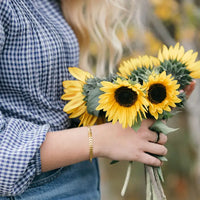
98,140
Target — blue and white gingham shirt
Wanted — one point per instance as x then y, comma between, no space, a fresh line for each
36,47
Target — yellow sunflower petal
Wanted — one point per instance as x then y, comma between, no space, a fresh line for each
174,54
73,104
84,119
165,52
187,56
180,53
71,96
72,83
78,111
91,120
195,69
160,56
195,74
79,73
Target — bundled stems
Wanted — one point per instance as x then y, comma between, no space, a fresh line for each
154,190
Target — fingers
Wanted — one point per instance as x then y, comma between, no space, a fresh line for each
163,139
155,148
150,160
148,123
189,89
153,137
159,138
152,148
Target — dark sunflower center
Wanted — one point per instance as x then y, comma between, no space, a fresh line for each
125,96
157,93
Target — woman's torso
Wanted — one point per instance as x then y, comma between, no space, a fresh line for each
38,49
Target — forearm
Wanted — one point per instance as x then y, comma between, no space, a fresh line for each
66,147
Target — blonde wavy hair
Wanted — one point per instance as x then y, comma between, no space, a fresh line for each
97,21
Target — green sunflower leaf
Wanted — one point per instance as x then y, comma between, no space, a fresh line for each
159,170
162,158
113,162
92,101
161,127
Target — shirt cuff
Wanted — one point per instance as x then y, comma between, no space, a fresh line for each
37,156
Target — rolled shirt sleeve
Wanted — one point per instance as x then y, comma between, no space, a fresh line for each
20,143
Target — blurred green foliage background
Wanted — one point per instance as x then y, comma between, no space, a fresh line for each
159,22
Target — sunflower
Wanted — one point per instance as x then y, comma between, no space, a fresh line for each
177,55
131,65
76,106
122,102
161,93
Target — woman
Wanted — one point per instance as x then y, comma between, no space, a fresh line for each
42,155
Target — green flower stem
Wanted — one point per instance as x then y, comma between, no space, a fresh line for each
156,173
148,185
128,174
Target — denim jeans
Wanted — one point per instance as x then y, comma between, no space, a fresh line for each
76,182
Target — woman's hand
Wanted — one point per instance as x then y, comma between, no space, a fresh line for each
117,143
189,88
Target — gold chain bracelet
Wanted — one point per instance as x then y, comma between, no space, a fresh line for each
90,139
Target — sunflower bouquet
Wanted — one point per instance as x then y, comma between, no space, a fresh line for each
144,87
